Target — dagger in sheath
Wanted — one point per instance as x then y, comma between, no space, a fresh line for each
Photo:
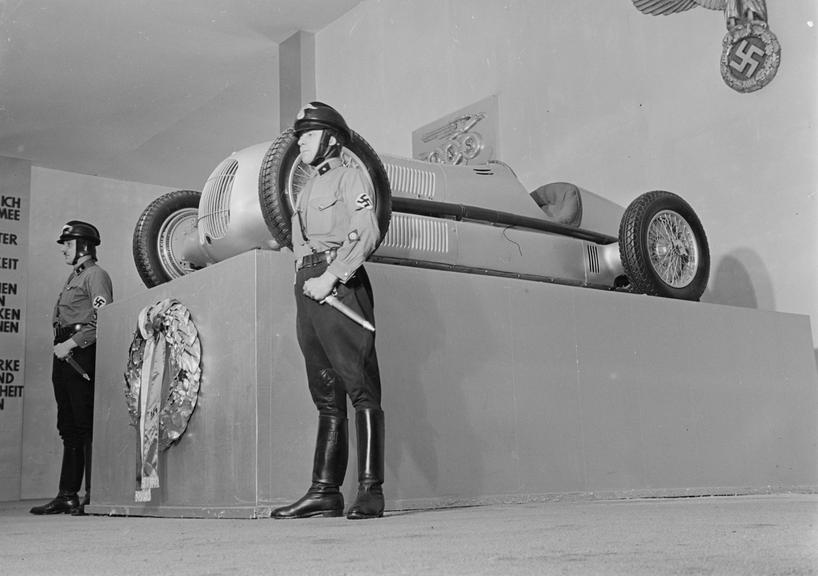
333,301
76,366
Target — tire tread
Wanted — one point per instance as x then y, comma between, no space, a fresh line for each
146,231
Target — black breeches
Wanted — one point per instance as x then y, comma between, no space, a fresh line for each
75,397
339,354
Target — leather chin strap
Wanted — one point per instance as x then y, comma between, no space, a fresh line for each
325,150
82,249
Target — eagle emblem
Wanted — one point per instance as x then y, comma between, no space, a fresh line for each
751,52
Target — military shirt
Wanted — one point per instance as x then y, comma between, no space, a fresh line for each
335,209
87,289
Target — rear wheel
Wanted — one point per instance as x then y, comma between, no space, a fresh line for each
663,247
283,175
159,236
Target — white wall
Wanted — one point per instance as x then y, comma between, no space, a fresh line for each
618,102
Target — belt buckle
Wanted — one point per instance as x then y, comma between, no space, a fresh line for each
305,261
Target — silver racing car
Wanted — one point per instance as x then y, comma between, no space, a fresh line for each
476,219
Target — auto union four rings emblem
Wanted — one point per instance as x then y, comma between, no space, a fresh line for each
750,58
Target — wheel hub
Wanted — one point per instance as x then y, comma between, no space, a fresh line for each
673,250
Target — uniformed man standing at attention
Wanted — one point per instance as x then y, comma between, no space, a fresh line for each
334,230
87,289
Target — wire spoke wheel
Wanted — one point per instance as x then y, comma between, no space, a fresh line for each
663,247
673,250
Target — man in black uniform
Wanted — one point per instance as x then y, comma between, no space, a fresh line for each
335,229
86,290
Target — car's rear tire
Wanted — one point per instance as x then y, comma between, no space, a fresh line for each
282,176
663,247
159,234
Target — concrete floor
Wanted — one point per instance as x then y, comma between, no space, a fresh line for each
741,535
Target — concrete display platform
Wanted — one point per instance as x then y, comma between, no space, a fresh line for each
495,390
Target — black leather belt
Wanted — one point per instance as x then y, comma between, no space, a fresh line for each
63,333
325,257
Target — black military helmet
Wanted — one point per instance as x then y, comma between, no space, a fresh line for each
77,230
320,116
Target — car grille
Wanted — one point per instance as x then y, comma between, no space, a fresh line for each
417,233
592,258
214,207
412,182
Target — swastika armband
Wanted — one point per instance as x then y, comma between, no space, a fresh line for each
363,201
99,302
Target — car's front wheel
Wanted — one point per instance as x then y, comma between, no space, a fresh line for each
663,247
160,234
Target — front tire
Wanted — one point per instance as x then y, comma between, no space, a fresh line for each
159,236
663,247
283,175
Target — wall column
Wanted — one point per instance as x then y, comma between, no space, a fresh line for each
296,75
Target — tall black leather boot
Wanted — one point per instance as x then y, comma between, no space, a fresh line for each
324,497
86,499
370,428
73,462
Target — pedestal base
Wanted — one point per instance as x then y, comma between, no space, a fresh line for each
495,390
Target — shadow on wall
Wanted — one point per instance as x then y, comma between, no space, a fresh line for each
741,279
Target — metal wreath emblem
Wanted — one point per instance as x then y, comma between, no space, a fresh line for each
751,52
750,58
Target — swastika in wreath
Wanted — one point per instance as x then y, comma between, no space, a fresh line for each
750,58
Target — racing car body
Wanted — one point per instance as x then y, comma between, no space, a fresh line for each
473,219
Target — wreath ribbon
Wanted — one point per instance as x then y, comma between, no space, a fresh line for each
165,347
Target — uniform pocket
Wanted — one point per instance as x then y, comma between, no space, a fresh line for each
321,217
73,296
